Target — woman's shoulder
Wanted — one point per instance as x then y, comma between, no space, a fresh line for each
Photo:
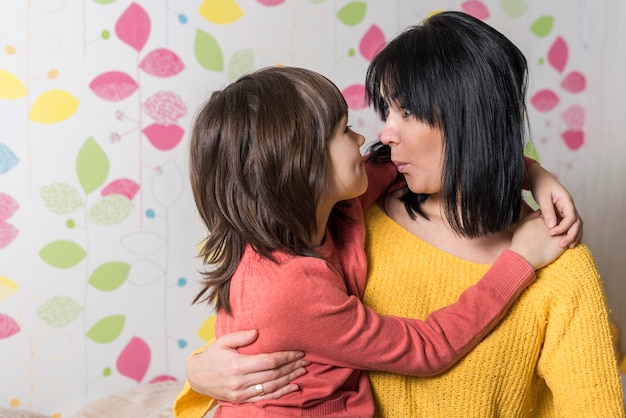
578,261
573,273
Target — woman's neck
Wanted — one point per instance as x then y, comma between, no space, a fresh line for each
437,232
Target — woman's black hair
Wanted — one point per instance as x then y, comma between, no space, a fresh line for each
458,74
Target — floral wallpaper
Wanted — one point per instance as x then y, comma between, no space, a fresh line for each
97,224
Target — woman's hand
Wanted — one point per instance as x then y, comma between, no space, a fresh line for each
533,241
223,374
557,206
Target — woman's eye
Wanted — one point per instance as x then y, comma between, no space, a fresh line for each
348,128
406,113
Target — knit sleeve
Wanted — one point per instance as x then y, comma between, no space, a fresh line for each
189,403
577,360
334,328
379,177
528,163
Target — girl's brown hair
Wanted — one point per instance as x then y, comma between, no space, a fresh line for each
259,166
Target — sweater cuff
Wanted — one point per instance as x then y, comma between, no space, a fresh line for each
509,275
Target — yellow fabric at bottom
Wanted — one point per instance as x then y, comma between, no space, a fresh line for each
191,404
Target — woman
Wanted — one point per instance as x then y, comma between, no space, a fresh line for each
552,355
452,94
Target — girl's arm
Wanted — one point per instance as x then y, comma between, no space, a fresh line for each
380,176
555,203
508,276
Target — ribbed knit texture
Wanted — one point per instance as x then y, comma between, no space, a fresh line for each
551,356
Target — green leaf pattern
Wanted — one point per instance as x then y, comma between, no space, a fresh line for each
61,198
208,51
109,276
352,13
59,311
240,63
92,166
62,254
110,210
107,329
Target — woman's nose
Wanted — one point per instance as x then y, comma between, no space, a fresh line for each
388,134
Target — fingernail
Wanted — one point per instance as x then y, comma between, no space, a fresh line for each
306,363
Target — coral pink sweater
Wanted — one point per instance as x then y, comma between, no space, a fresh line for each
313,304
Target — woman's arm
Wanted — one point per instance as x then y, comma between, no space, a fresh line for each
236,381
577,359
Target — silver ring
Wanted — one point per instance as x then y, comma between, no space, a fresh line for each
259,389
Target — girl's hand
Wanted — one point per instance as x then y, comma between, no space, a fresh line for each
533,241
223,374
557,206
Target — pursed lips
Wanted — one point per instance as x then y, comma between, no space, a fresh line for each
399,165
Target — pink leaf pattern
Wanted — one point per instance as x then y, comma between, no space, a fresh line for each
162,378
162,63
8,326
355,96
270,2
372,42
141,89
124,187
134,359
133,27
574,117
7,234
544,100
558,54
113,86
165,107
8,206
164,137
574,82
573,139
476,9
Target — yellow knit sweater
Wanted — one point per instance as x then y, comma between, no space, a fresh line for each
551,356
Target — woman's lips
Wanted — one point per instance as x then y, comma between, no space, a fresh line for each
400,166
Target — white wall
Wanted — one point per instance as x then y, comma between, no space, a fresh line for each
602,198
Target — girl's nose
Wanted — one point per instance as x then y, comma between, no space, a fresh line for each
360,139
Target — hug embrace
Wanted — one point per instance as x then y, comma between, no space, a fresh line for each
474,304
